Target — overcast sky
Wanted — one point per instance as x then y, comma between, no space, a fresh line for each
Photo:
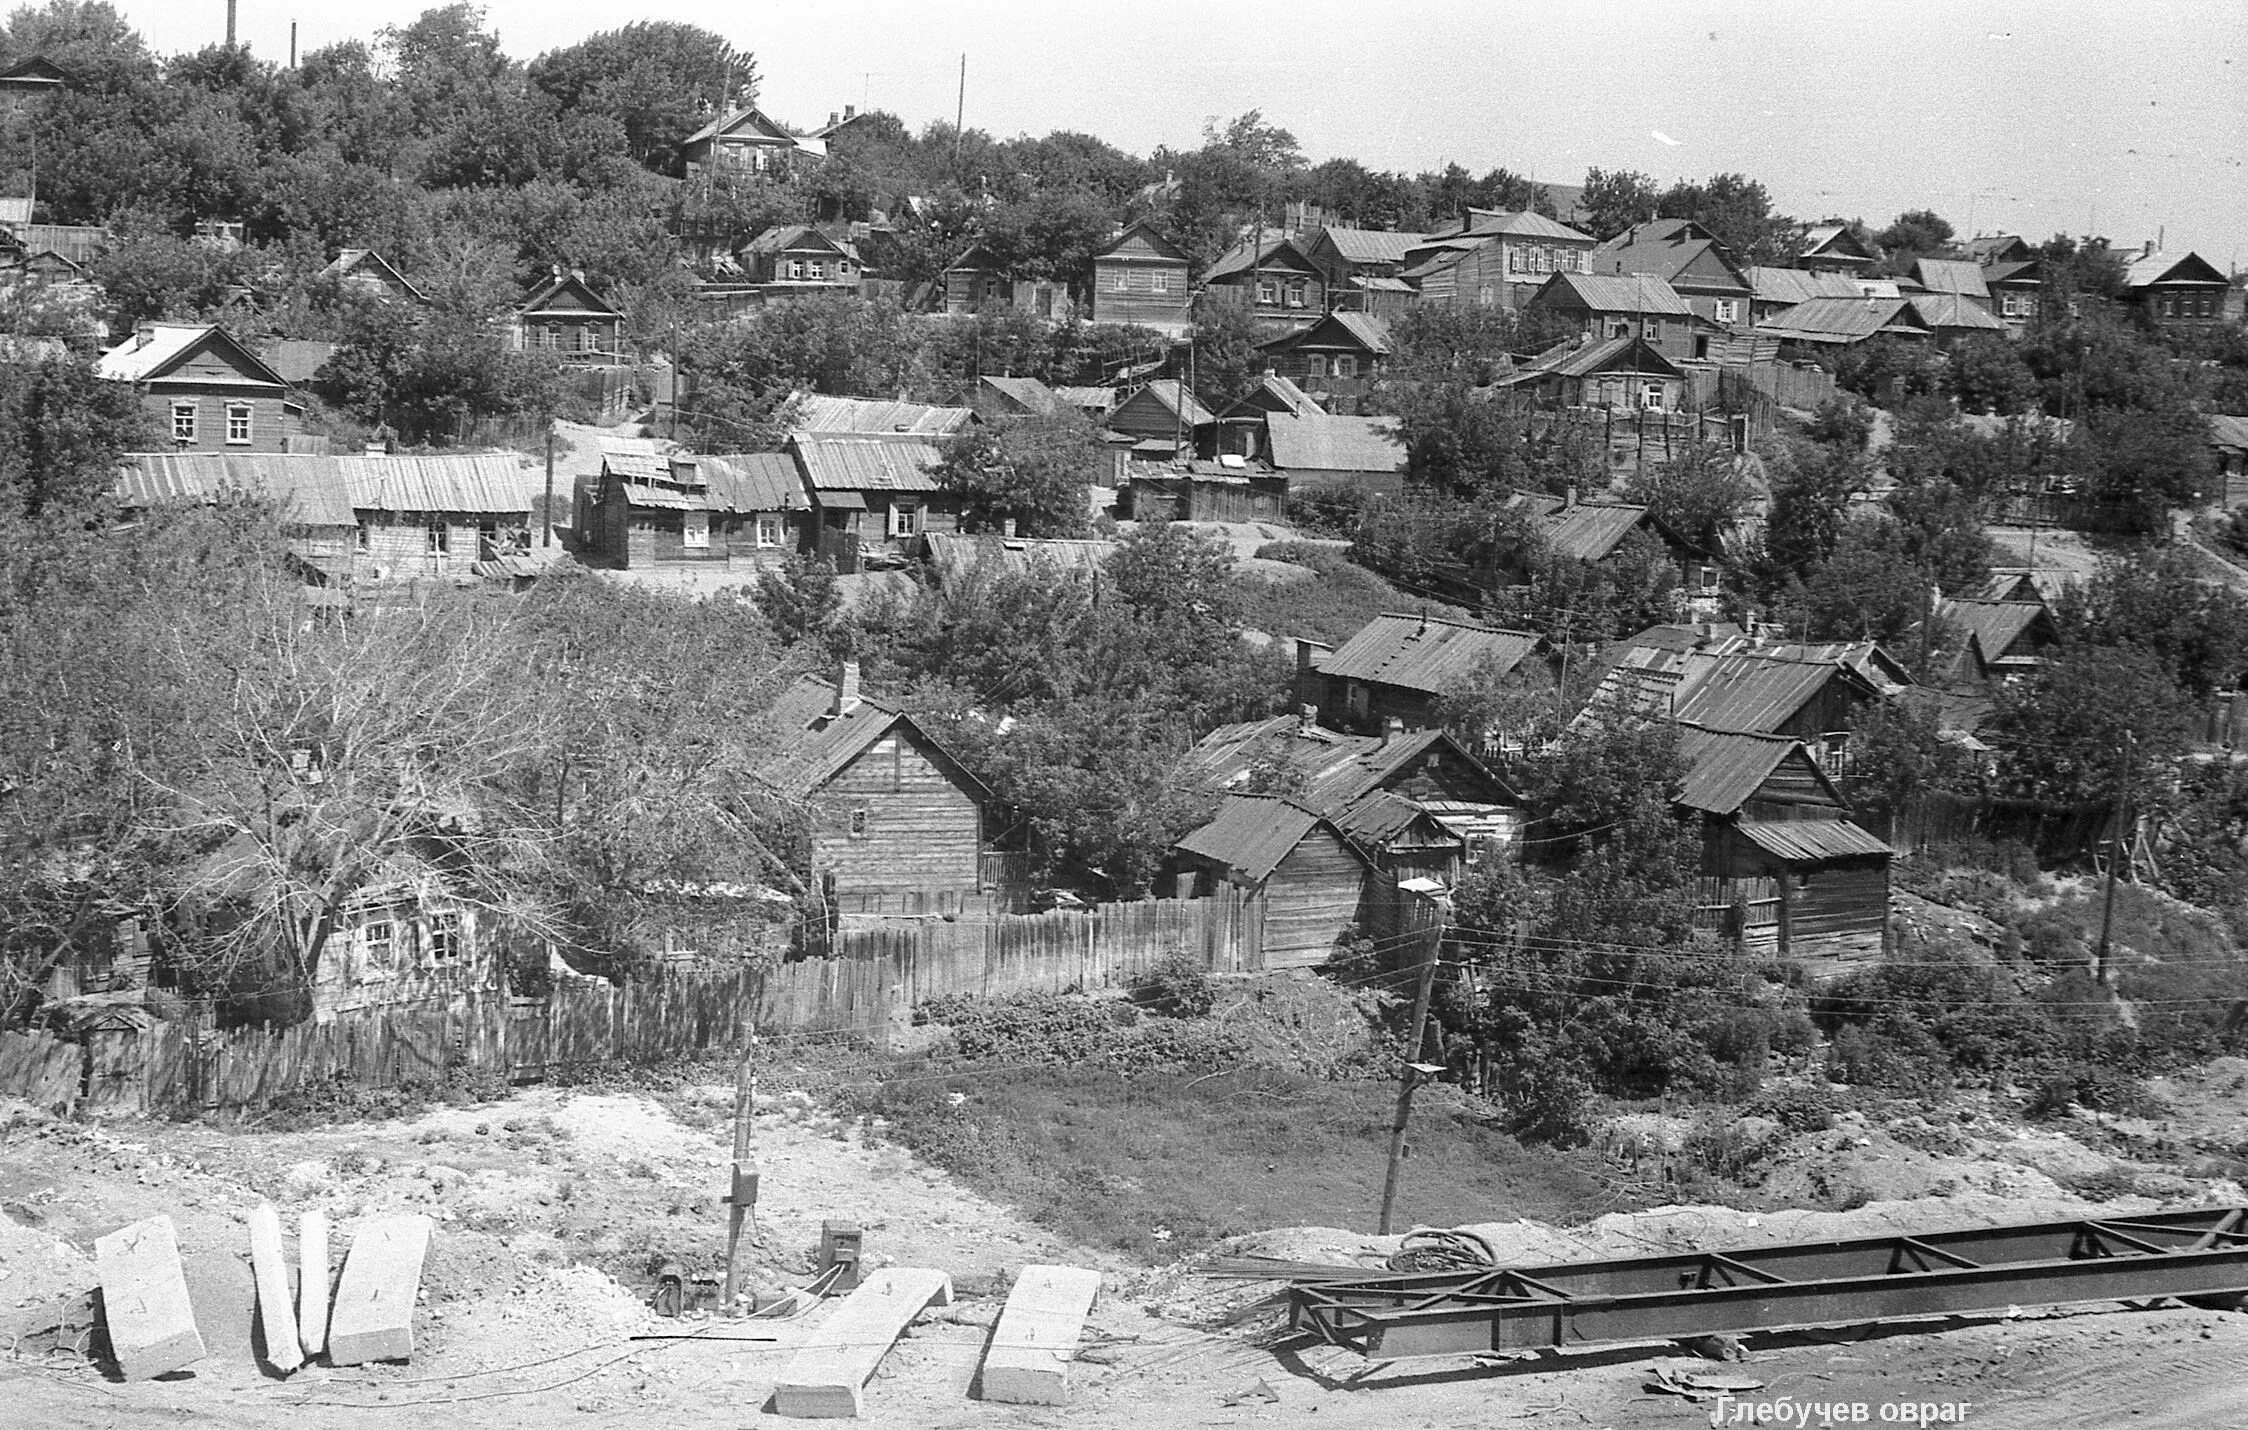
2125,118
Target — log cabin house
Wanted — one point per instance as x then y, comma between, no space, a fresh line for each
872,497
1398,667
1160,418
203,389
1689,258
2002,638
1314,881
684,509
1772,821
746,141
890,811
1602,306
1342,352
437,516
1494,259
1144,279
2182,291
798,258
1834,247
1274,281
564,318
1625,373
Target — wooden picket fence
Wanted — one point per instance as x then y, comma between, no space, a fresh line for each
871,985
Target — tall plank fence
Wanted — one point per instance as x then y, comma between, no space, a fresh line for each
872,984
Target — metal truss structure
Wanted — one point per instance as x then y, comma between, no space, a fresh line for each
2202,1253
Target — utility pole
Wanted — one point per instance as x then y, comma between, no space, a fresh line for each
741,1197
1409,1075
2116,853
549,541
959,116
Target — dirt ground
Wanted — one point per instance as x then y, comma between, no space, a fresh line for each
551,1207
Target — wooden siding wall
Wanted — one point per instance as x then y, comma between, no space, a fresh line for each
398,542
923,830
1315,894
1836,910
1139,302
870,989
270,423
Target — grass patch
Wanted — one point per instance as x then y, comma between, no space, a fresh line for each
1331,607
1158,1165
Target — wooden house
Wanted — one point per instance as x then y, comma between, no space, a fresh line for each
1274,281
1143,278
2185,290
364,273
437,515
1776,833
975,281
2228,442
872,497
1346,256
2015,290
1341,353
798,258
1951,275
1689,258
203,389
2001,639
890,810
1603,306
1318,451
1241,427
1775,289
1494,259
746,141
648,511
407,942
1160,418
1828,325
1833,247
1815,694
1314,881
1595,531
822,415
1397,667
564,318
1627,373
311,497
1014,397
758,507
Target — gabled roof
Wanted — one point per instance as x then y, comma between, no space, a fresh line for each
1725,768
750,125
2227,433
365,260
497,482
1953,310
860,464
1378,817
2151,268
1252,833
1425,653
1315,441
1725,685
565,294
1334,770
812,744
1611,293
1574,358
1273,393
1360,330
327,491
1992,627
1842,320
1280,252
1813,841
33,72
955,557
799,238
1586,531
1666,249
1951,275
168,346
1368,245
867,416
2027,270
1796,285
1991,248
1834,242
1521,223
753,481
1172,396
1165,250
1027,393
1089,399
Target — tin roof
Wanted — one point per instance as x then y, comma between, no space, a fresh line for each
866,416
1951,275
1379,817
1811,841
867,463
467,482
311,490
753,481
167,345
1586,531
812,744
1252,833
1333,769
1572,358
1614,293
1725,768
1028,393
1993,626
1797,285
1523,223
1368,245
1315,441
1953,310
955,557
1425,653
1841,320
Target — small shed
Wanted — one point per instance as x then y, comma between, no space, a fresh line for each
1313,880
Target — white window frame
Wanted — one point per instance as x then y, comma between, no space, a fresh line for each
1728,310
1159,281
443,942
1123,283
1315,364
1299,293
1268,291
905,520
186,418
1346,365
246,414
768,529
378,956
1651,329
437,537
694,530
1650,396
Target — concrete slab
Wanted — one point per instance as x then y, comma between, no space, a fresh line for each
144,1299
373,1317
277,1312
1031,1348
312,1282
826,1376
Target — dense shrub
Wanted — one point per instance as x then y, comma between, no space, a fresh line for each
1064,1030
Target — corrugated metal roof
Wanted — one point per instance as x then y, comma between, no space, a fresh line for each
1252,833
1027,393
1369,330
1993,626
663,498
1799,285
2230,433
1378,817
1574,358
1812,841
1746,691
1665,249
470,482
955,556
1525,223
1611,293
1425,653
1586,531
866,416
1840,320
1092,399
1953,310
1724,768
2157,267
1168,393
1239,259
637,466
312,490
866,464
1951,275
753,481
1368,245
1315,441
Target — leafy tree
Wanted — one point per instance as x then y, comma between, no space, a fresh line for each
1738,212
2060,732
1613,202
1867,588
1700,494
1886,369
1034,469
660,80
1227,364
61,432
1812,485
1917,233
156,276
801,601
2146,463
1898,752
2157,602
1986,374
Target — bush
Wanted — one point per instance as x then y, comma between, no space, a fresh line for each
1799,1108
1179,987
1065,1030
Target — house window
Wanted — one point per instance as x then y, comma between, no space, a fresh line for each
1268,290
1123,283
1315,365
1514,260
550,337
1651,397
1709,579
904,520
238,423
768,531
1651,330
444,937
1483,295
694,530
378,948
818,271
1346,365
437,538
793,268
1159,282
1298,294
183,421
587,342
1727,310
360,533
1619,327
858,822
2169,306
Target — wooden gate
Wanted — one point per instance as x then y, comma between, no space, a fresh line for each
526,1040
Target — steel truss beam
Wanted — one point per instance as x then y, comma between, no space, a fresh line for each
1653,1298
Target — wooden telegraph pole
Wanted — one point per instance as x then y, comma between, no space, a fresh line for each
741,1198
2118,849
1409,1075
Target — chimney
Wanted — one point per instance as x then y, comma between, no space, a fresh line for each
143,335
1569,497
1393,730
2149,253
1307,719
846,688
1007,528
850,111
833,119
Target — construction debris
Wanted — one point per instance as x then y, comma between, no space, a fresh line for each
144,1300
373,1317
276,1311
1034,1342
312,1281
826,1377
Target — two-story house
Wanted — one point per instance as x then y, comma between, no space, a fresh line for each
1339,350
1690,259
1609,305
203,389
1495,259
1274,281
563,317
747,141
1361,267
2181,290
798,258
1145,279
